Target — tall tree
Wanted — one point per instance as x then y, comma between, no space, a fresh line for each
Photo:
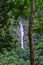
31,44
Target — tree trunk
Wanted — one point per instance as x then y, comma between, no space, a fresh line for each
31,44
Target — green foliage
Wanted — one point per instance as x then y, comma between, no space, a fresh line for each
11,10
38,27
12,59
6,37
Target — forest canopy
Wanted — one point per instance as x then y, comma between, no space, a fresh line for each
31,15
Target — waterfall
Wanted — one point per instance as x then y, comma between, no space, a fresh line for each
21,34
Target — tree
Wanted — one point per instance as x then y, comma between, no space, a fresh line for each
31,43
6,37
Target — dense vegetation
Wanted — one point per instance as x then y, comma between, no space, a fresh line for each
10,13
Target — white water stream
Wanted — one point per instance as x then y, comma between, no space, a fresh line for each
21,34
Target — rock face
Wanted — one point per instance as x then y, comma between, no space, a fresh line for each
20,32
23,32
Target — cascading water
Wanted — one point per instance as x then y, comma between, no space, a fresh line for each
21,34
